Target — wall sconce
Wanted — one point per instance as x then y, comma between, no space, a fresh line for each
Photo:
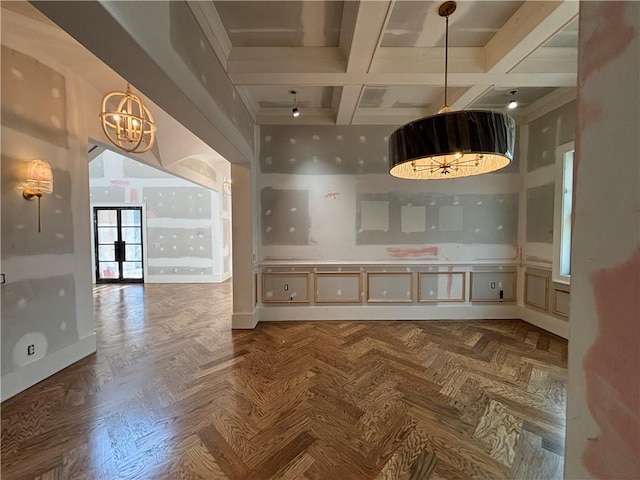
130,126
39,180
226,184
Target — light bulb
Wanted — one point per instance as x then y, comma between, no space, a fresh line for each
512,104
295,112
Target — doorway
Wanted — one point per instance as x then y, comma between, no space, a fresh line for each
118,244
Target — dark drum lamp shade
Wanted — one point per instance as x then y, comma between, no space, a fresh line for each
452,144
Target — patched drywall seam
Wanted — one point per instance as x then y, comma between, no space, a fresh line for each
540,213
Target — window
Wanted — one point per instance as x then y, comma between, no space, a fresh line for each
563,206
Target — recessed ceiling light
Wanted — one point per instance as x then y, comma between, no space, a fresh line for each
513,103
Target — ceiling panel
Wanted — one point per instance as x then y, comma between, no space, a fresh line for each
497,98
567,37
400,96
417,23
277,96
281,23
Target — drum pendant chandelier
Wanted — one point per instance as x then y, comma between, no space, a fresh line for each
452,144
130,126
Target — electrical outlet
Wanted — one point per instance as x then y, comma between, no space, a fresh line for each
31,349
286,287
493,284
174,270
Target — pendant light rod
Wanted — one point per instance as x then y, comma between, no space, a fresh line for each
446,9
446,62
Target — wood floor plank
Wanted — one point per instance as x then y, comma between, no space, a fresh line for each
173,393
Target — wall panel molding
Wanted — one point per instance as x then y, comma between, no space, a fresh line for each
528,281
373,298
495,275
319,297
448,275
276,287
558,308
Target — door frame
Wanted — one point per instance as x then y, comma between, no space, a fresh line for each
145,263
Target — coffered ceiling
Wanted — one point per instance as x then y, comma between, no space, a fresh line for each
382,62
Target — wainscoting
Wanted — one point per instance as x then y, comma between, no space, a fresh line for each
375,290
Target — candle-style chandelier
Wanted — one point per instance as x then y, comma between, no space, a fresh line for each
130,125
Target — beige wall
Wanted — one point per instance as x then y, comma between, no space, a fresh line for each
603,414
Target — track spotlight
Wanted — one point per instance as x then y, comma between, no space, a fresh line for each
513,103
294,111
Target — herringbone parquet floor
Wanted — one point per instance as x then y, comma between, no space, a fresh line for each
173,393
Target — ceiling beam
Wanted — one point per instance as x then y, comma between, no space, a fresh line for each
530,27
364,20
249,60
561,79
349,100
429,60
371,20
282,116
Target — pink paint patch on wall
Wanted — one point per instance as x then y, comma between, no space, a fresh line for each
332,195
409,252
606,38
611,366
449,281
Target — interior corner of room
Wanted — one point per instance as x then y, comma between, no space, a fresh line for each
268,171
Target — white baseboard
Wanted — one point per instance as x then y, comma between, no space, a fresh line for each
187,278
546,322
32,373
244,321
388,312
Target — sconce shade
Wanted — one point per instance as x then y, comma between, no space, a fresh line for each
39,178
130,125
452,144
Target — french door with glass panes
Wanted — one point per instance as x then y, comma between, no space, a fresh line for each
118,242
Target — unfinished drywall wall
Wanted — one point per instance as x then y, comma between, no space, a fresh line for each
540,213
186,237
325,193
548,132
47,317
545,135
